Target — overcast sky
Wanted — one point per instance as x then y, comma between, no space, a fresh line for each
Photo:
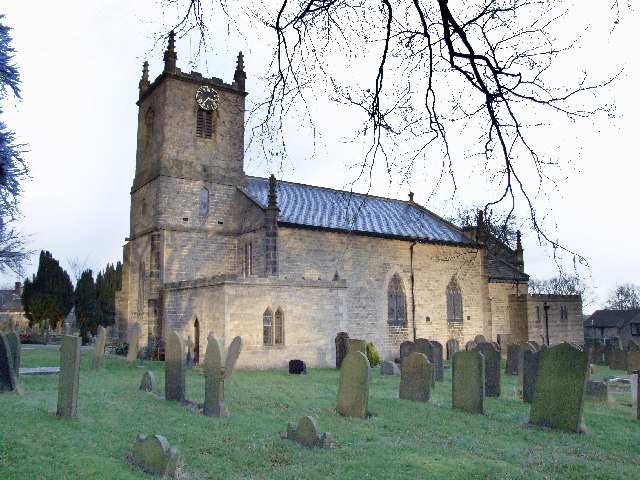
80,63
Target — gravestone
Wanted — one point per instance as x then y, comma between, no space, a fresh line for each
356,345
633,381
424,346
468,381
560,388
8,378
435,357
307,433
69,376
341,347
513,349
633,360
415,380
607,350
353,389
155,455
134,335
388,367
523,348
148,383
491,369
597,391
470,345
218,366
618,359
174,368
479,339
452,347
16,348
530,360
598,353
406,348
98,350
297,367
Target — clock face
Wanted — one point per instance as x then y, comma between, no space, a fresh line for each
207,98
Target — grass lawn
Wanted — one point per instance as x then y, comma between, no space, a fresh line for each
402,440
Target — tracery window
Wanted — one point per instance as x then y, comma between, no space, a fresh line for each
454,302
396,302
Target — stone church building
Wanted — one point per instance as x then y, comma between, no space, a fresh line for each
288,266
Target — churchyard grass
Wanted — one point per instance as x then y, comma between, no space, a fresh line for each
402,439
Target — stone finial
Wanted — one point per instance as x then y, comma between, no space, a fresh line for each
411,197
239,77
144,81
170,56
519,252
481,229
307,433
154,454
273,195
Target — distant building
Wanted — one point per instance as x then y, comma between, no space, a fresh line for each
11,307
606,324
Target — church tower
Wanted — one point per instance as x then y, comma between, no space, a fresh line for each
189,164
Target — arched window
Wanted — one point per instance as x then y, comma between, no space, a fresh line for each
204,201
267,327
396,303
454,302
278,328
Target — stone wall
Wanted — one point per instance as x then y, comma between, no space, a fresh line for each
560,330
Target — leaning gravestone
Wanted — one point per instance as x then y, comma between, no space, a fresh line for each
307,433
148,383
353,389
530,360
8,379
174,368
560,388
415,380
155,455
492,359
218,366
134,335
14,345
341,347
468,381
69,376
98,350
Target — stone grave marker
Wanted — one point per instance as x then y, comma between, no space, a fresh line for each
633,360
356,345
633,381
174,368
468,381
424,346
523,348
8,378
513,349
607,350
307,433
134,335
155,455
618,359
479,339
452,347
597,391
297,367
435,357
415,380
69,376
470,345
98,350
341,347
560,388
148,383
16,349
218,366
406,348
491,369
387,367
353,389
598,353
530,360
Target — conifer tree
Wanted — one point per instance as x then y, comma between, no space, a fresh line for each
107,284
86,303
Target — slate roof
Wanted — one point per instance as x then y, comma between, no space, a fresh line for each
323,208
611,318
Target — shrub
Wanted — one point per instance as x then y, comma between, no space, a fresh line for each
372,355
122,348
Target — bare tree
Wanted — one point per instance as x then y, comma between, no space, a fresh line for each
563,285
624,297
426,68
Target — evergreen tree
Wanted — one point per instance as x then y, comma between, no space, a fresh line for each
107,284
49,294
86,303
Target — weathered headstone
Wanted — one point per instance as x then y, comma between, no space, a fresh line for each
98,350
14,345
633,360
8,379
523,348
69,376
513,350
468,381
607,350
406,348
491,369
387,367
218,366
452,347
154,454
479,339
598,353
618,359
470,345
421,345
341,347
435,357
174,368
134,335
307,433
530,360
560,388
597,391
353,389
297,367
148,383
415,380
633,380
356,345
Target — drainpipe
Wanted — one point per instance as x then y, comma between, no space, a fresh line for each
413,300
